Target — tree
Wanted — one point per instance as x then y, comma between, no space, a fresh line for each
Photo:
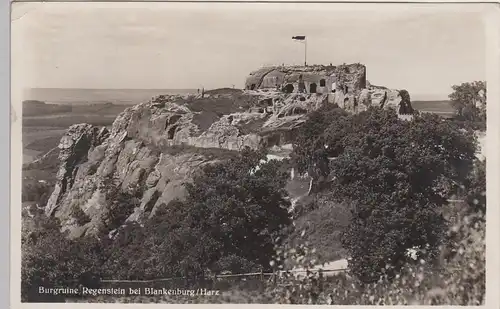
324,127
476,188
231,215
242,208
390,171
469,100
50,259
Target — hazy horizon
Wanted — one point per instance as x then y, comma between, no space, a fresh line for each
116,46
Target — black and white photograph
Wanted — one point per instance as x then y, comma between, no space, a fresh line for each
251,153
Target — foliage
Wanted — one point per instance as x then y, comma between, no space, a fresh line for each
36,191
389,169
121,203
324,224
309,154
50,259
476,182
80,216
227,223
458,279
240,206
391,172
465,98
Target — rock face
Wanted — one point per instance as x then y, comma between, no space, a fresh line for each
155,147
74,148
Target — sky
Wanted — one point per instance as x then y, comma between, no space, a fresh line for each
422,48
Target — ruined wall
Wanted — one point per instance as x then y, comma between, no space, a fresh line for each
349,78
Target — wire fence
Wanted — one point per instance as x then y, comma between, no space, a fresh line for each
261,275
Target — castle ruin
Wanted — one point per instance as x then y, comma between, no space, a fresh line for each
344,85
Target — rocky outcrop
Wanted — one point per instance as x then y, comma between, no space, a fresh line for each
154,148
128,164
74,149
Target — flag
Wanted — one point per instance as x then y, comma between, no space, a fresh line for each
299,37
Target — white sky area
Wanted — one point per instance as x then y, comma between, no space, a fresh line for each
422,48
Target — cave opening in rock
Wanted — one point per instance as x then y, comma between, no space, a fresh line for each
289,88
312,88
171,132
322,83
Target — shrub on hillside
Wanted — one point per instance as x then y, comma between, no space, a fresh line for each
34,191
80,216
121,203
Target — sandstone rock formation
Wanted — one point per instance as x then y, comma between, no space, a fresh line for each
155,147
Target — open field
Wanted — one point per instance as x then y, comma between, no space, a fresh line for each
44,124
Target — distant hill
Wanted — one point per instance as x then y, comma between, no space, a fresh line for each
34,108
92,96
38,108
439,106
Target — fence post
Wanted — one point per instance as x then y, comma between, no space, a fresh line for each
262,274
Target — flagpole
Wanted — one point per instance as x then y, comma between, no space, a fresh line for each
302,38
305,52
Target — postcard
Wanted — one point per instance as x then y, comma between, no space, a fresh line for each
254,153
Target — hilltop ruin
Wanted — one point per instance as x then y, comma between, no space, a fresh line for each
156,146
345,85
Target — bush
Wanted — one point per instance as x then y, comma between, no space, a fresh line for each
227,223
459,279
80,216
309,154
476,182
121,203
36,191
49,260
389,171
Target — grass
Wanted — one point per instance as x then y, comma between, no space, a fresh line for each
209,153
205,119
223,105
322,222
252,126
44,144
